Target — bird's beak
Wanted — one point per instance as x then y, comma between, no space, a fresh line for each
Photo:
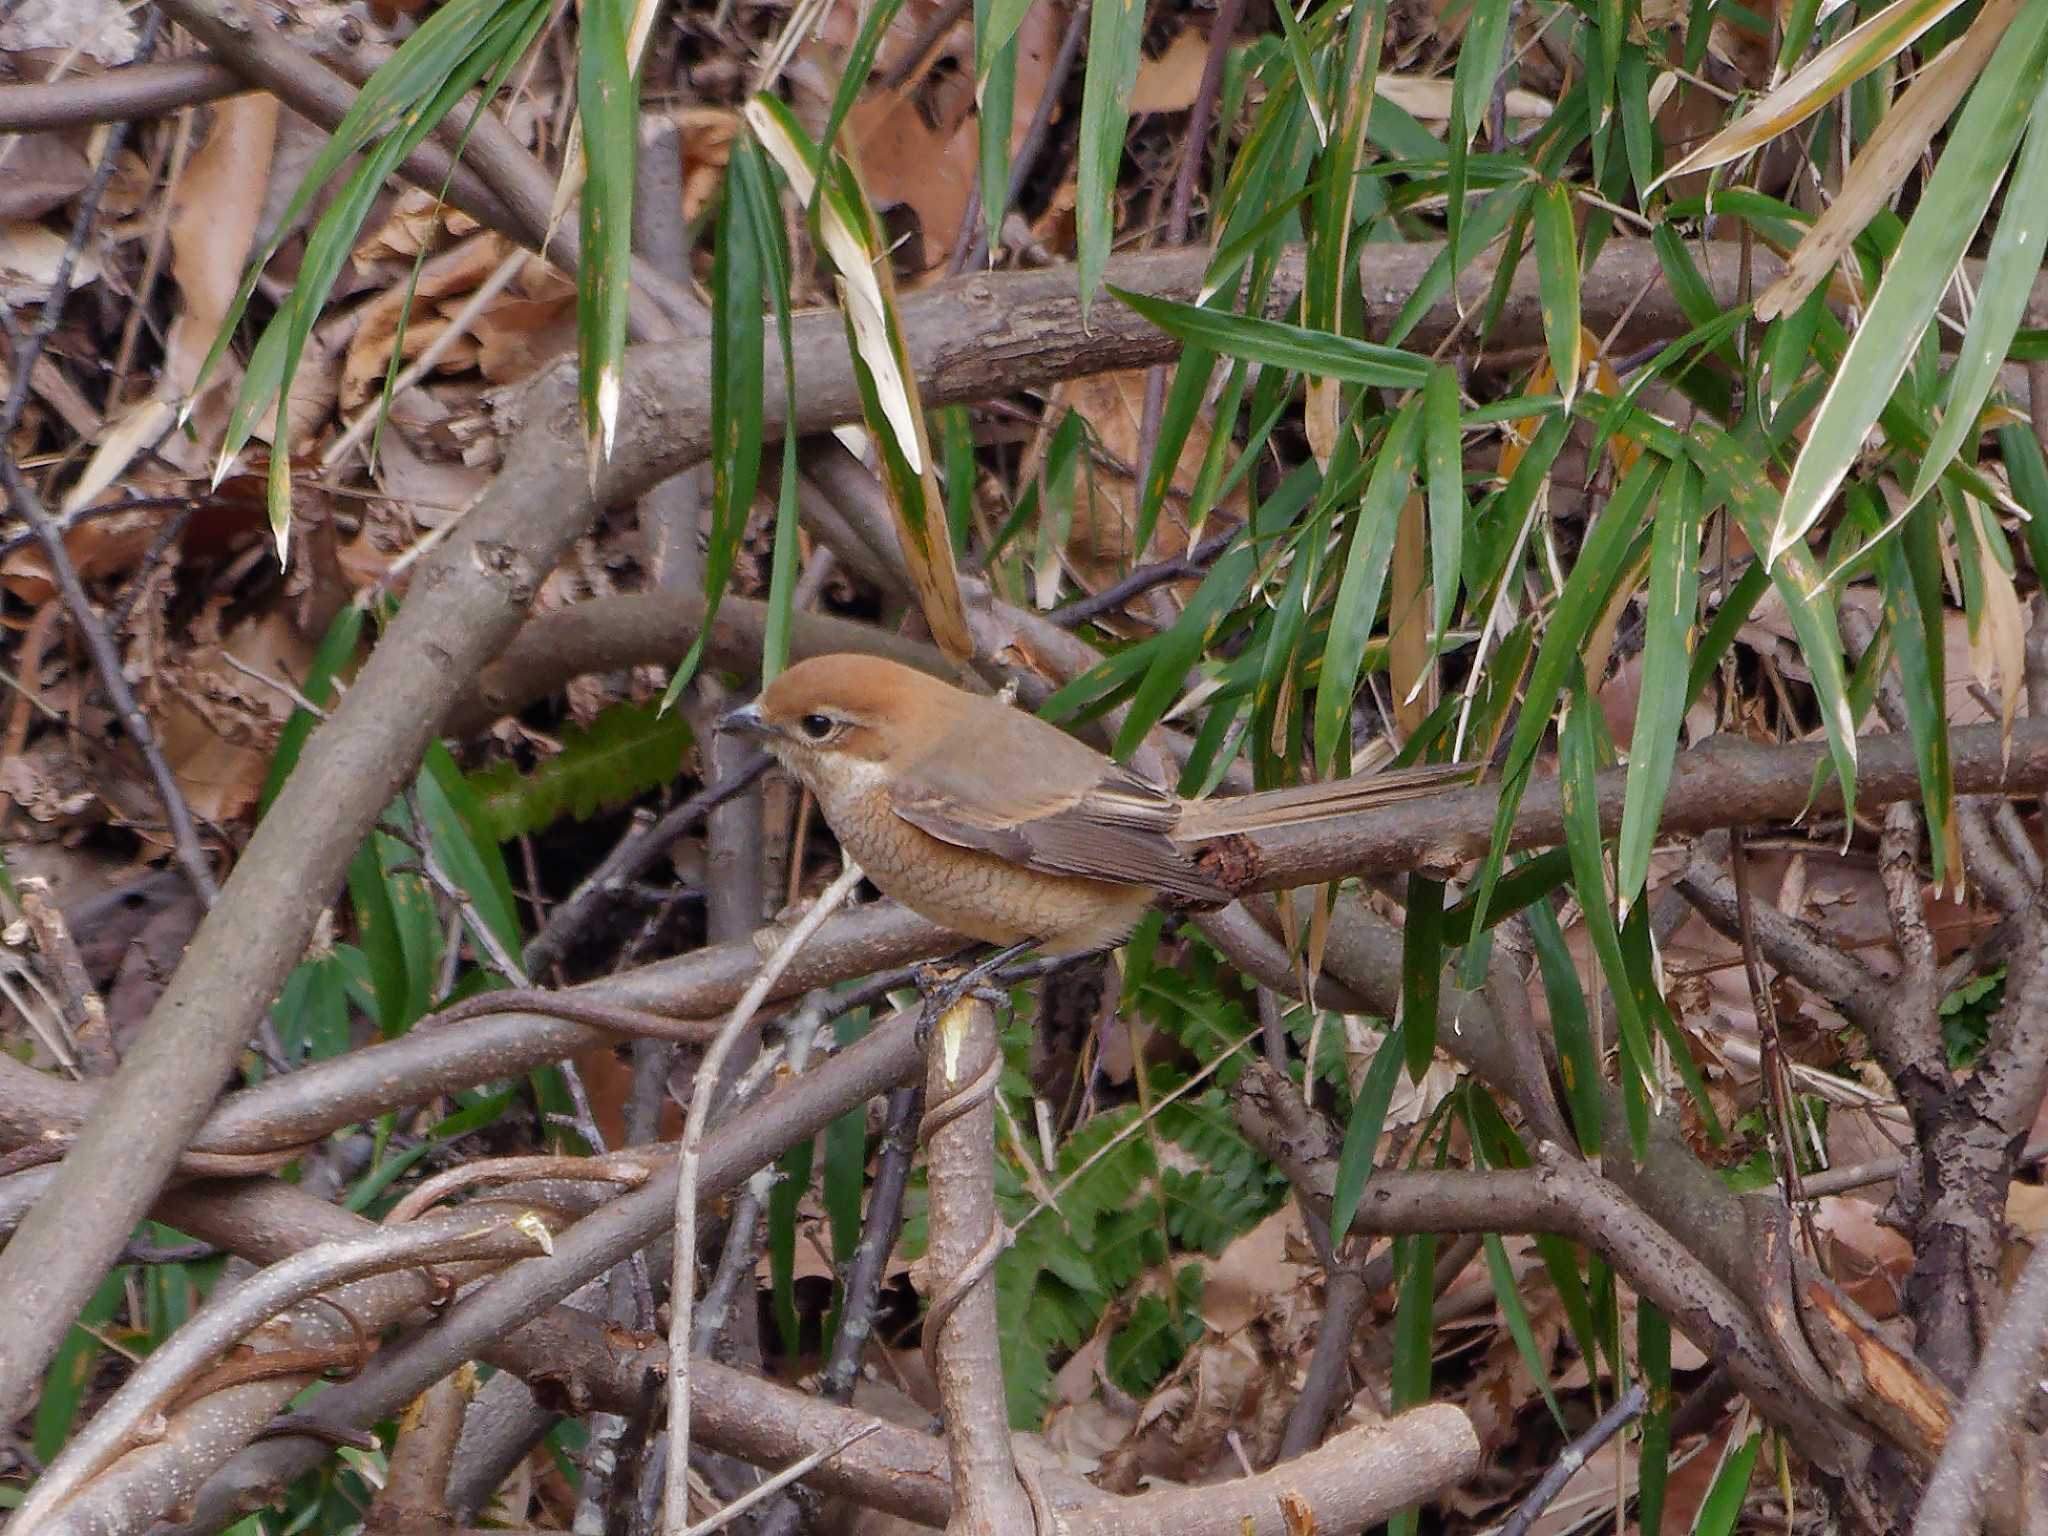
746,721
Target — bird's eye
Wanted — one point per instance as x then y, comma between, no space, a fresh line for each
817,727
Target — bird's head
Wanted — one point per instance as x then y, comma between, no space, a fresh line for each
835,721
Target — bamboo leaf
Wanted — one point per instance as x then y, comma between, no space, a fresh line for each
1557,273
1670,606
1577,770
1114,29
1358,594
1943,225
2003,293
737,381
1362,1134
1819,81
1653,1459
1280,345
1722,1506
608,106
1444,470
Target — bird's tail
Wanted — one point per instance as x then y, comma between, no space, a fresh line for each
1315,802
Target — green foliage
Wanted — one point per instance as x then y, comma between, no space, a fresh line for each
1120,1215
1159,1330
1966,1015
625,751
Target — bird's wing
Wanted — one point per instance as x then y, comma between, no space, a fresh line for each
1103,823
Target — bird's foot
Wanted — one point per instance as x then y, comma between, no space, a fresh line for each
944,989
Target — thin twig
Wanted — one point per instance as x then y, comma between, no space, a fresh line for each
878,1233
632,858
106,661
1574,1456
779,1481
29,506
1195,562
1033,143
682,1284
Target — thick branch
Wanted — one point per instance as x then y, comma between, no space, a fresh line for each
963,1337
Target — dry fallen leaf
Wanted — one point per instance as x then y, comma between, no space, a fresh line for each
1169,82
29,258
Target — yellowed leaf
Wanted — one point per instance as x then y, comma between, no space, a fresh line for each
1889,155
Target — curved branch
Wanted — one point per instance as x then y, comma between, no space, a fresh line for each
228,1317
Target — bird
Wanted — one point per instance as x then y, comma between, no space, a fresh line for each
999,826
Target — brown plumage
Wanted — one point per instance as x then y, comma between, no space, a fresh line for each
997,825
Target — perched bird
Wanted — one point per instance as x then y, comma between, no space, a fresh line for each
995,824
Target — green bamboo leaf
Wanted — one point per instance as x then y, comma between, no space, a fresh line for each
1507,1293
783,1200
377,939
1653,1458
411,76
757,189
1414,1331
738,374
1604,41
2027,468
1735,476
458,832
845,1173
71,1369
853,75
1578,1056
1487,223
1180,647
1722,1506
1586,594
1953,205
995,26
995,101
1909,575
1299,58
1422,970
1443,464
1480,57
1114,30
2003,291
1362,1133
608,106
1327,271
1358,593
336,652
1671,607
1557,273
1632,74
1280,345
1578,768
1789,348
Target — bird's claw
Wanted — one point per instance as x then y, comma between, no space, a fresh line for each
945,988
